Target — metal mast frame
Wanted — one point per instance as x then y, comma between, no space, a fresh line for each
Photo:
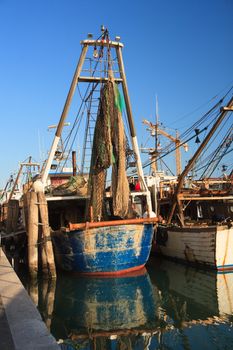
78,78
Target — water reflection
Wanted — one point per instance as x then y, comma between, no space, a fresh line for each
106,310
168,307
191,296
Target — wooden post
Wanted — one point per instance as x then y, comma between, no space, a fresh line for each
12,215
26,201
74,163
47,245
42,257
33,235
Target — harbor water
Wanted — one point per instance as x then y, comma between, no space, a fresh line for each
165,306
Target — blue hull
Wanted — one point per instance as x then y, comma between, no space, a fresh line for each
110,250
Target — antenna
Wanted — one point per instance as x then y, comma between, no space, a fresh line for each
156,126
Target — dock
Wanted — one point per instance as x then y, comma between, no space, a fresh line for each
21,326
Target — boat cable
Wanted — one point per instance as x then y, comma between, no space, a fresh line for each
146,164
228,152
205,117
205,103
195,127
208,114
214,156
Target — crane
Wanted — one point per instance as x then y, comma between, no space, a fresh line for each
176,140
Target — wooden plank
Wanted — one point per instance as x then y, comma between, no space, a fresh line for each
101,43
96,79
213,198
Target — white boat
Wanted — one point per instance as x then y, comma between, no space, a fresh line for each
199,228
210,246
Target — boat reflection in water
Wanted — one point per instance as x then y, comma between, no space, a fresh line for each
198,303
169,307
113,310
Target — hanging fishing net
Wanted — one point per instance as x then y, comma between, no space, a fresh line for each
109,146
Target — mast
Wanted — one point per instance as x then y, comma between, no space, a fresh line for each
104,42
176,201
154,154
156,133
24,164
132,127
63,116
175,139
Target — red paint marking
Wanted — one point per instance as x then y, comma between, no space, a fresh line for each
225,268
133,271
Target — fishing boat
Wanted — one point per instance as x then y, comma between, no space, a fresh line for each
100,229
198,228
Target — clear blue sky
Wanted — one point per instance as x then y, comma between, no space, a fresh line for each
180,50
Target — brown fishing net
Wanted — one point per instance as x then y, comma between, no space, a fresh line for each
109,146
120,186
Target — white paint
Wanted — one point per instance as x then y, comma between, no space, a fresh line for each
140,172
49,160
212,247
224,246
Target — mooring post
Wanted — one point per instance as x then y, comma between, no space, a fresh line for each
12,215
46,238
33,235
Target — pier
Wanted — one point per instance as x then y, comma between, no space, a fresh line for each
21,326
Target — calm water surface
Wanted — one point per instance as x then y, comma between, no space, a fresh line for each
166,306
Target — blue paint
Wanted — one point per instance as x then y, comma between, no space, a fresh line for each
90,304
230,266
106,249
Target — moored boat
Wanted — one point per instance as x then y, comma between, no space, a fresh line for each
101,229
108,250
198,227
206,245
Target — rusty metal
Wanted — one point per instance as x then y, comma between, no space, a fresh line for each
87,225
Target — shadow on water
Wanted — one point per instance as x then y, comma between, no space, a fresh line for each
167,306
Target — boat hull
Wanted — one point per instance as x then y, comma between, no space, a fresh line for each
210,246
103,250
